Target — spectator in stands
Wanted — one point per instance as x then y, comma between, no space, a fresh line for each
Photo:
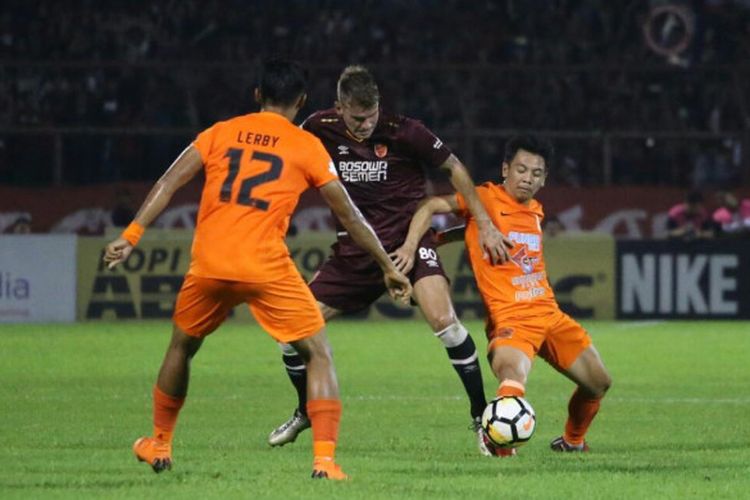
732,218
133,89
15,223
690,220
22,225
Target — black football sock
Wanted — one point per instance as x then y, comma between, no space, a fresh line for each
297,372
463,355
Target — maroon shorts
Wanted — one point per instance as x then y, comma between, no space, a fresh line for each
351,284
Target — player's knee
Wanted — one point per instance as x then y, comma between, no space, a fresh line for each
442,322
508,371
452,335
605,383
509,363
600,384
187,345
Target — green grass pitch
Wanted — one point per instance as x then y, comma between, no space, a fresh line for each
676,423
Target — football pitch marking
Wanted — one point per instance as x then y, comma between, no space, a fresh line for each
701,401
628,325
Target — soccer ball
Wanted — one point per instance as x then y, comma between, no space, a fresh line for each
508,422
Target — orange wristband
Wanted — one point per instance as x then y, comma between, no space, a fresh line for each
133,233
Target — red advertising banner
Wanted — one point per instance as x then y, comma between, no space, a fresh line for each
632,212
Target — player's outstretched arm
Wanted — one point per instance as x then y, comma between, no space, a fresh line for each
363,235
403,257
495,245
184,168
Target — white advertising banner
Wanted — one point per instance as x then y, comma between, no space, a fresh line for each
37,278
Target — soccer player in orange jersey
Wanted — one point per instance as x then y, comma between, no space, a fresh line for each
523,317
256,166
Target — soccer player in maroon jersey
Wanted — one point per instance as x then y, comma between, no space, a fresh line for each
380,159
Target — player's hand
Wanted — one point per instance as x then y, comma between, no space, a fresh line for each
495,245
398,286
116,252
403,258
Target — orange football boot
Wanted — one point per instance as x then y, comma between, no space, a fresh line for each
326,468
157,454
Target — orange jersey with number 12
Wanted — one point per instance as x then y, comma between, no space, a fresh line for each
519,286
256,168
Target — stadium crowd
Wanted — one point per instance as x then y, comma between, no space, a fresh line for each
556,65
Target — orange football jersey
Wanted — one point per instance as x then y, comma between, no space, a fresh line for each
256,167
509,289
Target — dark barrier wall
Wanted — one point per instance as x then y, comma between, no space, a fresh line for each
624,211
671,279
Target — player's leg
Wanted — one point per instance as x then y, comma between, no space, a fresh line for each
168,397
339,285
287,310
512,347
324,405
199,311
570,351
432,293
297,372
511,367
593,381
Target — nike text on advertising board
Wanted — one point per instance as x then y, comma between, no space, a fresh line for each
682,280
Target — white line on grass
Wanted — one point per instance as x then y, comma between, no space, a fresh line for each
638,324
732,401
656,400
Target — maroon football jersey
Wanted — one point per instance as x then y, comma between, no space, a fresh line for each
383,174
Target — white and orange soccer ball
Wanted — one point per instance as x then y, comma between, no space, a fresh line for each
508,422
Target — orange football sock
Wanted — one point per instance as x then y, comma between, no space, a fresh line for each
510,387
324,415
166,409
581,411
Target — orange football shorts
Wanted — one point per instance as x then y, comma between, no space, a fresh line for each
285,308
554,336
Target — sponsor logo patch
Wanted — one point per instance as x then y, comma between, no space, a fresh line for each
381,150
523,260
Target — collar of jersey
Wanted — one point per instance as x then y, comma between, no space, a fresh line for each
272,114
353,137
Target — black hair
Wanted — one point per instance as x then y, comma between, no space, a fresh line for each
357,85
281,81
532,144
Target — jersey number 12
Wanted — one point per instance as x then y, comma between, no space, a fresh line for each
248,183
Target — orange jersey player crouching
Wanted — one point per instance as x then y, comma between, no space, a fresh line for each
256,166
523,317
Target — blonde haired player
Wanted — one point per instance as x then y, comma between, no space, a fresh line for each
381,158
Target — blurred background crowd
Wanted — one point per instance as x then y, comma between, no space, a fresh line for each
636,92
